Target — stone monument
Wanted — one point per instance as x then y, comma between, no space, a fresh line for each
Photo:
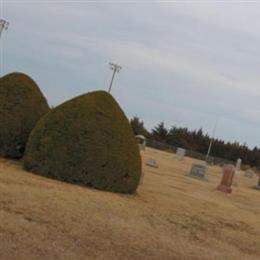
227,178
180,153
198,171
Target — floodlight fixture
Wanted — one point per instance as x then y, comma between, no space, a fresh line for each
3,25
115,67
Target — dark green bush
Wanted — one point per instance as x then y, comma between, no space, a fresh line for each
88,141
21,106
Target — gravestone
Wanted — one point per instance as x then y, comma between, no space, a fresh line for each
180,153
152,163
227,178
238,164
198,171
236,178
249,173
141,140
141,179
258,184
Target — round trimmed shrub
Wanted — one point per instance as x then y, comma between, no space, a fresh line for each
88,141
21,106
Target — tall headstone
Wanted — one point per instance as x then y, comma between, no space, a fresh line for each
141,179
180,153
258,184
198,171
141,140
238,164
227,178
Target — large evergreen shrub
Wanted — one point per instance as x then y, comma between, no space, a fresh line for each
89,141
21,106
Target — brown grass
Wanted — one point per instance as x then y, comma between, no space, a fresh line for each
171,217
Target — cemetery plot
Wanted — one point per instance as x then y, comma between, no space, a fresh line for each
170,217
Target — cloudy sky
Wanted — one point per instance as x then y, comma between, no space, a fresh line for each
187,63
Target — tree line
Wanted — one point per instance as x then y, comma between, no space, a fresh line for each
198,140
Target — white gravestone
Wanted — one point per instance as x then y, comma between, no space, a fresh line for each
238,165
180,153
141,140
237,172
152,163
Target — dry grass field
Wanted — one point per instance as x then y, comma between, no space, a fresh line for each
172,216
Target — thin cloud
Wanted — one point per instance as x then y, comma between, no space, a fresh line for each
183,63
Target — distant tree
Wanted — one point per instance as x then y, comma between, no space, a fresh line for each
160,133
138,127
198,141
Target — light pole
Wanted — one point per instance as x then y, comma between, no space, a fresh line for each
115,68
3,26
211,141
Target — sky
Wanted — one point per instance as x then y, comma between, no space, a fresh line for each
187,63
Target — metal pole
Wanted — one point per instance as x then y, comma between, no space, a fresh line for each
114,72
209,149
115,68
211,141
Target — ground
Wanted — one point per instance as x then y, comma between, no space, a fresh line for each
172,216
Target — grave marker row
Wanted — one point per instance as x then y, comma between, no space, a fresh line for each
199,171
